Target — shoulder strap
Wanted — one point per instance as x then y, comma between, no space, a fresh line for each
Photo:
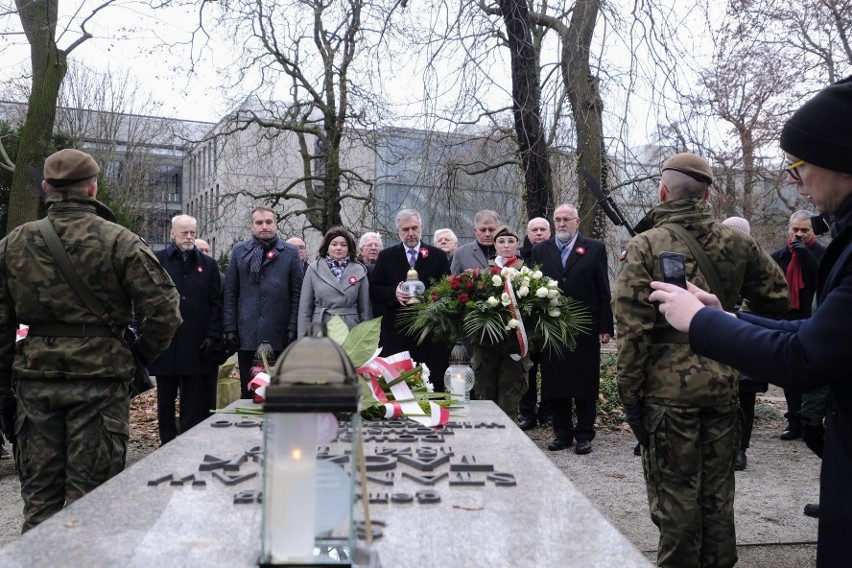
54,245
708,269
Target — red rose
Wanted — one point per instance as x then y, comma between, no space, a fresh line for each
496,270
468,285
463,298
424,252
454,284
435,297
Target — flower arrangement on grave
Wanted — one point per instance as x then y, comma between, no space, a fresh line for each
516,310
391,387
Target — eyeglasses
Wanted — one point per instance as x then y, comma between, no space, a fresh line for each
791,169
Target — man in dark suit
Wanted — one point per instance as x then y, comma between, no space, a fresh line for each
188,365
262,289
579,265
391,270
798,258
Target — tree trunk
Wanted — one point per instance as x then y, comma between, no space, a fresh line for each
49,65
586,105
526,108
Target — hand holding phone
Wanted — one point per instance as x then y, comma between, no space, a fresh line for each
673,267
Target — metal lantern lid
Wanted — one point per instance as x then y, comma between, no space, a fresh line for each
313,374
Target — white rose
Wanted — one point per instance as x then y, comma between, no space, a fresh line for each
523,291
554,312
525,270
508,272
551,283
496,280
504,298
513,323
537,274
552,293
541,293
554,301
525,282
492,301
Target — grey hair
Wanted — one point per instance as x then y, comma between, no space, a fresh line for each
177,218
366,236
801,215
561,205
405,214
450,231
486,215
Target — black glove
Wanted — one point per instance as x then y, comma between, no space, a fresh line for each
806,257
814,437
633,417
8,407
207,347
291,337
232,340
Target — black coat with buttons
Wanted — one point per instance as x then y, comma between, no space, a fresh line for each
199,284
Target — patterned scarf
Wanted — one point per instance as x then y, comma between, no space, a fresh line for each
337,266
795,277
255,252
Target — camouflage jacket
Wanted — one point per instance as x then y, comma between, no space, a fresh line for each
654,361
120,270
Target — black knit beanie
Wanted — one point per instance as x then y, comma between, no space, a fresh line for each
820,132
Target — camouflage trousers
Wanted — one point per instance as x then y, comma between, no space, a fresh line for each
500,378
689,474
71,437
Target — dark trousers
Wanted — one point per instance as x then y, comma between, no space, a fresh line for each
196,393
747,402
794,405
563,422
527,405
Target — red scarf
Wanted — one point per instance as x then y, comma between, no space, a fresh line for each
795,278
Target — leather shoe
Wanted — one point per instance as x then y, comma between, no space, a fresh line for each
527,423
740,461
791,434
559,444
583,447
812,510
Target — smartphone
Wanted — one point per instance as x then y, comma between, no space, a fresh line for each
673,266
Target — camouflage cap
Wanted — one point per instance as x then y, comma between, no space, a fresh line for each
692,165
69,166
505,231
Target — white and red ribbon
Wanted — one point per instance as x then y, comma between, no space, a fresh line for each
390,368
520,331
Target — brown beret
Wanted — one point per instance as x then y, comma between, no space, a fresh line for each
505,231
692,165
67,167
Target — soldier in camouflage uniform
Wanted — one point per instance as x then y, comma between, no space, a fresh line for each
71,375
683,408
498,376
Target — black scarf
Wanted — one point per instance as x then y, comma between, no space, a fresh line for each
255,252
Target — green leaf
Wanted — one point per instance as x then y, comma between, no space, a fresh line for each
337,329
362,341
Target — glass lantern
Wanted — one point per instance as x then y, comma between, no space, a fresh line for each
308,501
413,285
459,376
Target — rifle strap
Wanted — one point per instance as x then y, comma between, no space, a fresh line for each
708,269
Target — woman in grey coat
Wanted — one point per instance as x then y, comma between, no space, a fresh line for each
335,284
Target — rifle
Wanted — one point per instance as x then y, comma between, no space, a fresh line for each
606,203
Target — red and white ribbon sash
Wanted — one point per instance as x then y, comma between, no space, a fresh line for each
520,331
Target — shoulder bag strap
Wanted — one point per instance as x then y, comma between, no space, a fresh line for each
708,269
54,245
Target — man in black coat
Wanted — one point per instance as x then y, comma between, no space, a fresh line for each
579,265
187,365
391,270
798,259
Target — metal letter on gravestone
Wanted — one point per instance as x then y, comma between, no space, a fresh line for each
464,479
178,479
428,496
382,479
233,479
425,479
468,463
424,464
502,479
380,463
378,497
247,497
401,498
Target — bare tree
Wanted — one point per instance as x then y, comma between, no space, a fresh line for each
49,64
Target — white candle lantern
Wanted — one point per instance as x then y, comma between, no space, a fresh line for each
308,501
459,376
